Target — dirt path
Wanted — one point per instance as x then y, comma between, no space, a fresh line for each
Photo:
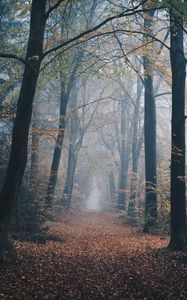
98,258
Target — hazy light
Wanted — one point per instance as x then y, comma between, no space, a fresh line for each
94,200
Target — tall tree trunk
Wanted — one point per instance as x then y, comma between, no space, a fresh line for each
58,146
18,155
74,147
178,67
135,151
149,134
64,98
123,154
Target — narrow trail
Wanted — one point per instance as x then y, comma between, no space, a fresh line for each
96,257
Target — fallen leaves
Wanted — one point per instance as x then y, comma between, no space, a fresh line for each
98,258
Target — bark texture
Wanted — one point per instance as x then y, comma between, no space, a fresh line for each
178,66
136,147
123,159
149,133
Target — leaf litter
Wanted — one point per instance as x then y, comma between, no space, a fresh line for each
98,258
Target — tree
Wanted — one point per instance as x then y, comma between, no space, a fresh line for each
109,140
78,126
136,147
178,67
149,131
18,155
75,61
64,97
123,156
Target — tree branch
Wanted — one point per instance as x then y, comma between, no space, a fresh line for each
127,12
14,56
163,94
126,58
52,8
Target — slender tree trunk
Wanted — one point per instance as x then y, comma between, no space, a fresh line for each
18,155
178,67
135,152
65,95
149,136
74,144
150,156
123,175
58,147
74,147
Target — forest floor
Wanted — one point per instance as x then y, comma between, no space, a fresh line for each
94,257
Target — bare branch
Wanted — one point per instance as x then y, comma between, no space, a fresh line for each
127,12
126,58
52,8
163,94
14,56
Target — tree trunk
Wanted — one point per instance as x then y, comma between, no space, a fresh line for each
58,146
64,98
178,66
112,185
149,135
72,161
18,155
74,147
123,154
135,151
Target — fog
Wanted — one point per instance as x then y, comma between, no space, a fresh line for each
94,200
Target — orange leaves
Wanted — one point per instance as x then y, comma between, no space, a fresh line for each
95,257
47,133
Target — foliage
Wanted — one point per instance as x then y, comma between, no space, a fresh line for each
163,204
163,191
30,215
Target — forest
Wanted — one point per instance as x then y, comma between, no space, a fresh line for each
92,149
